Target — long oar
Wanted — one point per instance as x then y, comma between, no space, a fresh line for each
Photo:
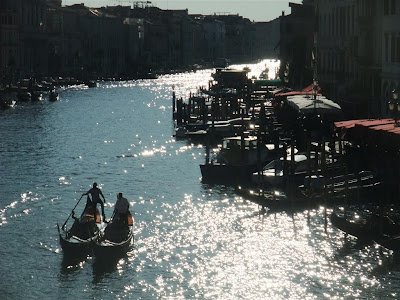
71,212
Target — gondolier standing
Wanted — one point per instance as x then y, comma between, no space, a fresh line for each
95,193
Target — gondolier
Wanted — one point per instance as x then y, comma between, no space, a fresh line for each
95,193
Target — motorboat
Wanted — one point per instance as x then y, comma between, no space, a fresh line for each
273,172
237,158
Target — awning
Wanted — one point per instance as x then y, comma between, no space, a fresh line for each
344,126
308,105
382,133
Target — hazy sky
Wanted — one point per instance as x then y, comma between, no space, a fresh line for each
255,10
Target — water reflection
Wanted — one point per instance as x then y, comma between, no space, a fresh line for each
350,246
104,266
72,263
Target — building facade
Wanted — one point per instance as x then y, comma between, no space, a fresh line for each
296,45
390,51
358,53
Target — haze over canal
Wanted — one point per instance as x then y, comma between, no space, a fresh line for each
192,240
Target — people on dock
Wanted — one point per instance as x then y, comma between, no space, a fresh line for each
121,208
95,193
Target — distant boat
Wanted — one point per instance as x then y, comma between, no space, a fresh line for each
23,95
53,95
7,100
36,96
4,104
91,83
246,69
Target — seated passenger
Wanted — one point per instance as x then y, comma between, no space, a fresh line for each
121,209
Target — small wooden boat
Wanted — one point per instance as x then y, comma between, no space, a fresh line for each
53,95
36,96
91,83
389,242
79,238
356,229
23,95
115,239
380,229
7,103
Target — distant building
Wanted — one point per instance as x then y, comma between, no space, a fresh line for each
237,37
214,36
23,37
94,42
42,37
358,53
265,39
296,46
9,42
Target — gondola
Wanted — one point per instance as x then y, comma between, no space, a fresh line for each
356,229
389,242
380,229
79,238
115,239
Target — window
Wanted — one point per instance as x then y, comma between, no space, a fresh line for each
386,47
398,48
386,7
393,7
393,48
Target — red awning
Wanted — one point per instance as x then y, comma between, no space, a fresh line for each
310,88
366,130
349,123
382,133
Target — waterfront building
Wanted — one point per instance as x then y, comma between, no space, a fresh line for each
9,43
265,40
390,52
296,46
23,37
358,53
237,37
54,30
93,42
214,33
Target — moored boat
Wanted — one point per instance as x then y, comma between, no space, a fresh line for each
7,103
237,159
53,95
116,238
390,242
36,96
380,229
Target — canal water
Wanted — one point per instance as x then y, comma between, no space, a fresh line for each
192,240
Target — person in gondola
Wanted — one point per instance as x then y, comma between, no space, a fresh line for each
82,227
121,209
95,193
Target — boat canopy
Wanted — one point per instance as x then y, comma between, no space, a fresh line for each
306,104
